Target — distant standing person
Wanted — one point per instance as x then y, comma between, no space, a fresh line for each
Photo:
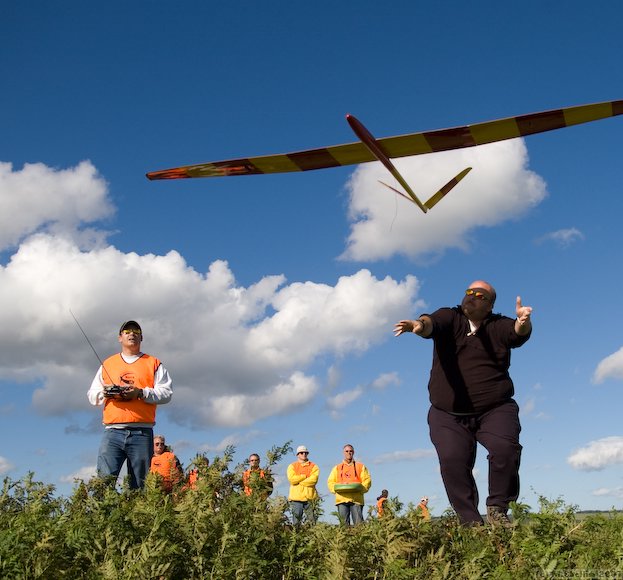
199,467
256,479
423,507
165,464
303,477
380,503
471,395
349,481
129,385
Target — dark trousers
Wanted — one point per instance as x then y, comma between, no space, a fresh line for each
455,439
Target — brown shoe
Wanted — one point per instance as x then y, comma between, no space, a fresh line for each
497,517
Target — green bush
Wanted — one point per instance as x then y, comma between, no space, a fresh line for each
215,531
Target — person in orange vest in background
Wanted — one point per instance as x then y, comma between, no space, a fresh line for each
303,477
129,385
349,481
255,478
201,463
380,501
423,508
165,464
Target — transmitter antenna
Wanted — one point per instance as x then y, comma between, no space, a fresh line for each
92,348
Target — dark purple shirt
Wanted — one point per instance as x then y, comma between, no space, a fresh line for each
470,373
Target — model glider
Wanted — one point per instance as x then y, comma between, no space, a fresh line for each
368,148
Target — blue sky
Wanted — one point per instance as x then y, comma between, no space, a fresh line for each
271,299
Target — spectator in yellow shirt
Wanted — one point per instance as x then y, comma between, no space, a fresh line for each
303,477
349,481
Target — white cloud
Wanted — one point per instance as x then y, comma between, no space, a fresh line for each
386,380
528,406
311,318
243,409
598,454
344,399
84,473
610,367
38,197
398,456
5,466
616,492
235,439
242,351
341,400
562,238
334,376
499,188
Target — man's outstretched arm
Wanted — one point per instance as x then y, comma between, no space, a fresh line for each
423,326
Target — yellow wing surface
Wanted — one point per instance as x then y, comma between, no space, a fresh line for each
400,146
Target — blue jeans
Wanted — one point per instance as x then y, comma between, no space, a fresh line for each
136,445
347,510
298,508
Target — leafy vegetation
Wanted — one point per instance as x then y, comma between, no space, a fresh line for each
214,531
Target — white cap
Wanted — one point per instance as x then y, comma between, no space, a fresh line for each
301,449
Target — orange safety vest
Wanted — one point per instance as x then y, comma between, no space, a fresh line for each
424,510
165,465
347,473
302,468
141,373
246,477
193,477
379,506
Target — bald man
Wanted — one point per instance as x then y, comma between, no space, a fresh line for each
471,395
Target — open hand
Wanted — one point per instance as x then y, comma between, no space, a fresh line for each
403,326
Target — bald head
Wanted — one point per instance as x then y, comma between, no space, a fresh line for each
478,301
485,286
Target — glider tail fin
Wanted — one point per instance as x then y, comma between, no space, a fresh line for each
437,197
395,190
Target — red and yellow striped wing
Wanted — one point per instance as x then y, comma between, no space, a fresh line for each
400,146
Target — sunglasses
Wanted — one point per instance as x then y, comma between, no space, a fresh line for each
477,294
303,453
131,331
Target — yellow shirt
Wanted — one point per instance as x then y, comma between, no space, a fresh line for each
354,472
303,477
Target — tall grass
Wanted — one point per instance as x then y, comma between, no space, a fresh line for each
217,532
